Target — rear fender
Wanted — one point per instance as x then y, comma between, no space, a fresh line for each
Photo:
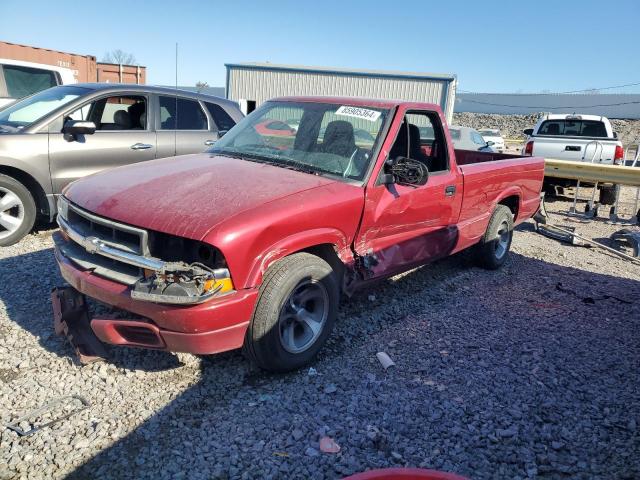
513,191
296,243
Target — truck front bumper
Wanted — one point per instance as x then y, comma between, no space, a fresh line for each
214,326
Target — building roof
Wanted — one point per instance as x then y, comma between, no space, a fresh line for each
356,101
342,71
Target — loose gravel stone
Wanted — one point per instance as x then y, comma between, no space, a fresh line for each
526,355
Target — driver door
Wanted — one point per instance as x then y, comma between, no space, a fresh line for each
405,225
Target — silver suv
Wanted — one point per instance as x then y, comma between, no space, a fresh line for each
66,132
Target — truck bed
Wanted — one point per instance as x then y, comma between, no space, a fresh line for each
467,157
490,178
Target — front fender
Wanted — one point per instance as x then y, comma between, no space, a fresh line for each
295,243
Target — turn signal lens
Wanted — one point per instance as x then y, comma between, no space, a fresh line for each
223,284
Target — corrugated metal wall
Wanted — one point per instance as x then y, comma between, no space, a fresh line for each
261,84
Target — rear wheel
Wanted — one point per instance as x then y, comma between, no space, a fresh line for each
493,249
294,315
17,211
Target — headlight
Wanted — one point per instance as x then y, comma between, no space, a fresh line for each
186,285
195,272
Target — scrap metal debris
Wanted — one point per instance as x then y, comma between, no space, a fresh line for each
28,424
629,237
385,360
568,234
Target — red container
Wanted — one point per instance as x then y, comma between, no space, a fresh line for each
405,474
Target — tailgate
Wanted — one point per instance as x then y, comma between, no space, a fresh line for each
575,149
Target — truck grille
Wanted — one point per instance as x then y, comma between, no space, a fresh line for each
117,235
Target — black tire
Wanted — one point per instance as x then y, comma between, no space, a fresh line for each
493,249
608,195
275,313
25,212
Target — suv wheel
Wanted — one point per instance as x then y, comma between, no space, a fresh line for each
294,315
17,211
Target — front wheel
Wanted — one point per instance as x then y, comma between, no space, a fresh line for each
17,211
295,312
494,247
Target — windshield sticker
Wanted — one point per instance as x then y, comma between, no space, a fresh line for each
358,112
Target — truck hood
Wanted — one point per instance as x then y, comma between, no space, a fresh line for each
188,195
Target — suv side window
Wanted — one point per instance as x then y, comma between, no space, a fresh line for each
188,112
118,112
24,81
221,118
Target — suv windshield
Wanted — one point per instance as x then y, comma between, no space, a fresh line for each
319,138
33,108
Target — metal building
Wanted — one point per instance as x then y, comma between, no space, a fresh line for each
250,84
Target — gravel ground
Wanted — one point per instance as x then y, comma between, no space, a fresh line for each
527,372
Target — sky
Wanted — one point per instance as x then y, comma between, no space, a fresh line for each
501,46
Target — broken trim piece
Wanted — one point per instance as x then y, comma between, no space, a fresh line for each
15,425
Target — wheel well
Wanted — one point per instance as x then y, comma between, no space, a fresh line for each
328,253
512,202
42,205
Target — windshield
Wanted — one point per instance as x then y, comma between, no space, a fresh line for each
33,108
319,138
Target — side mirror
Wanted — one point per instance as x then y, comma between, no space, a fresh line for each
490,143
405,171
528,131
78,127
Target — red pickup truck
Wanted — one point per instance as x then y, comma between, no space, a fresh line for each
252,243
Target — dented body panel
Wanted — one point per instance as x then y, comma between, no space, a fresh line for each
255,214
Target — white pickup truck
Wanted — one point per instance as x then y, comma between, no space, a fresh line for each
579,138
20,79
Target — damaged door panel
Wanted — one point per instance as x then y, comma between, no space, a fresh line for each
404,225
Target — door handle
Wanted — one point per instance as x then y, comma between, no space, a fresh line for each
572,148
208,143
450,190
141,146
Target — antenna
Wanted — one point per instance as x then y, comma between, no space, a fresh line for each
175,126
